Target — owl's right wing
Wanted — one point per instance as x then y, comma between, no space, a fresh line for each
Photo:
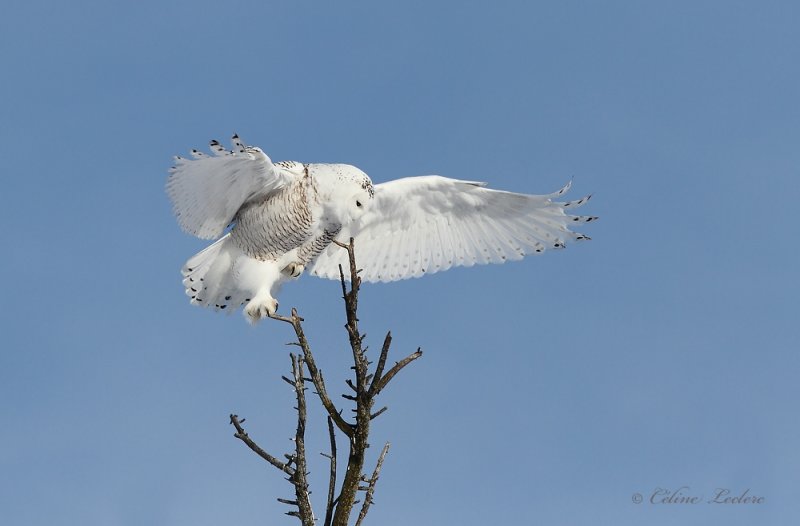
207,190
422,225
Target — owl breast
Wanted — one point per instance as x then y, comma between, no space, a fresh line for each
267,228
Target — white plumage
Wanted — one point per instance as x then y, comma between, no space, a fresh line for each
284,217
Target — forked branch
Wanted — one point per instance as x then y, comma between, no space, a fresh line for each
365,387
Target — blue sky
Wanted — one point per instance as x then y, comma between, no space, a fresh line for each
662,354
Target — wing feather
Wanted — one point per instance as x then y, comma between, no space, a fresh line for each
422,225
207,190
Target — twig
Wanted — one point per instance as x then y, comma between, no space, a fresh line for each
377,388
387,342
332,478
371,487
377,413
242,435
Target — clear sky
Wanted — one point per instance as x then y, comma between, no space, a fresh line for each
662,354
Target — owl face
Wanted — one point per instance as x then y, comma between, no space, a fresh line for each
347,192
359,203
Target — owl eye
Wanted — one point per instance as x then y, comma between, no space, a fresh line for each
358,204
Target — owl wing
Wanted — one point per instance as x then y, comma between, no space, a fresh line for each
422,225
207,190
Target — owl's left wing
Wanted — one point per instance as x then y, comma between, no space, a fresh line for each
207,190
422,225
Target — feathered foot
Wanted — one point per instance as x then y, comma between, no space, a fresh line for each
260,307
293,269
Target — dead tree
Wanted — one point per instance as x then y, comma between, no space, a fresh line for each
365,385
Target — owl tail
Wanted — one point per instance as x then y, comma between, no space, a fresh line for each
208,278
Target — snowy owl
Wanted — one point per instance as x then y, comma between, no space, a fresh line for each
284,217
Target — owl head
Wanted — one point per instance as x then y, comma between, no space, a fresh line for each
345,192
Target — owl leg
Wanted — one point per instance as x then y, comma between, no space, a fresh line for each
293,269
260,307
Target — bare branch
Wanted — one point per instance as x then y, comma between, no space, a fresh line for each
358,440
332,477
287,319
242,435
299,477
393,371
371,487
378,413
366,387
387,342
341,279
316,375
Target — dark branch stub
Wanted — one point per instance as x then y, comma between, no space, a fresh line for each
365,386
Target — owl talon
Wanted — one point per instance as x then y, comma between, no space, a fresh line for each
260,308
293,269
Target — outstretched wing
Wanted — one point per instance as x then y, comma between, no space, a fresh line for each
422,225
207,190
